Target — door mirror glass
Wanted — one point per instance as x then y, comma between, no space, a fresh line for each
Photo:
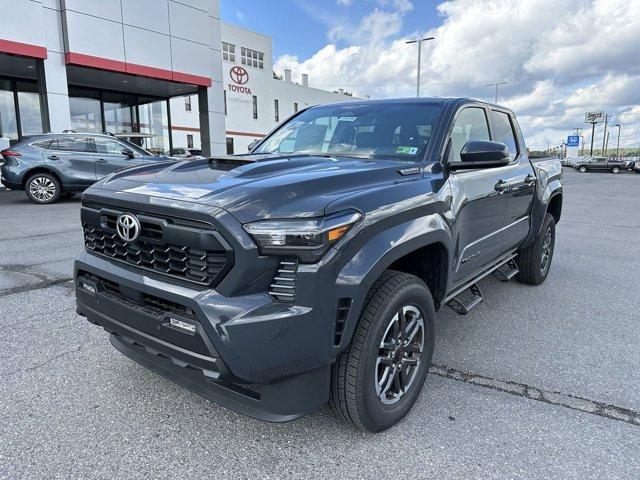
482,154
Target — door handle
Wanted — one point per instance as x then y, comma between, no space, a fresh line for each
53,157
101,160
530,179
501,187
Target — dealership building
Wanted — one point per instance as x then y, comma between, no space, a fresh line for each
168,69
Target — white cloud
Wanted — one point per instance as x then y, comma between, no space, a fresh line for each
559,57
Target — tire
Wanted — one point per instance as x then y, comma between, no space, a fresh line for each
615,170
356,396
583,169
67,195
531,260
43,188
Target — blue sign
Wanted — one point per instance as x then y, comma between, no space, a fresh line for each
573,141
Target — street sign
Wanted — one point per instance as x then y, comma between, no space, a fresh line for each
573,141
593,117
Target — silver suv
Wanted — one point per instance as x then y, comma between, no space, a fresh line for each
55,165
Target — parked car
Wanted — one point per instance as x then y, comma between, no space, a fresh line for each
183,152
567,162
310,271
52,166
636,166
600,164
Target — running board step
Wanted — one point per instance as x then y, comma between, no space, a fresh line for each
461,306
507,271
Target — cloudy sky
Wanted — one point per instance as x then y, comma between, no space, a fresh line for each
560,58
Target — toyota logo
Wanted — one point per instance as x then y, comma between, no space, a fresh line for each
239,75
128,227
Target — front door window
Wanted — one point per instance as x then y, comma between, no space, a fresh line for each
471,124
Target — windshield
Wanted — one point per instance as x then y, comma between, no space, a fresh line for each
388,130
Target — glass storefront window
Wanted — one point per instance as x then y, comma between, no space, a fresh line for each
122,113
29,107
8,122
154,120
119,113
85,114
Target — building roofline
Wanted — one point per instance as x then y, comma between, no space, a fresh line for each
253,32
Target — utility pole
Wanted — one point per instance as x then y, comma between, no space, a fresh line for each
606,145
618,143
604,135
496,85
579,133
593,133
419,42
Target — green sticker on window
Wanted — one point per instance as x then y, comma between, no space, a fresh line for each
407,150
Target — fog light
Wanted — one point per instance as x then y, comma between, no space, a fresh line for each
184,326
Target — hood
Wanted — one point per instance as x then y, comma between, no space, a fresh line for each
253,187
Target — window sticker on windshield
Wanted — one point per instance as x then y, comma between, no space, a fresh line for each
347,119
407,150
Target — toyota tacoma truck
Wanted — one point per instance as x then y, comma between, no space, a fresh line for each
310,270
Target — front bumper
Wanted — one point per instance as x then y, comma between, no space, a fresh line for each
11,185
264,359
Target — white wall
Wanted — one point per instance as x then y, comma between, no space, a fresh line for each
240,124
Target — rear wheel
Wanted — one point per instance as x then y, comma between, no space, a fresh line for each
378,379
534,262
583,169
615,170
43,188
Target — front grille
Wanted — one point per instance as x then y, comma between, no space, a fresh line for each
200,266
150,304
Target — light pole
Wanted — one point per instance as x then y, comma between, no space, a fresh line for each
419,42
618,143
496,85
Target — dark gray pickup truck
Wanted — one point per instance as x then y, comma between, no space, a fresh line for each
311,270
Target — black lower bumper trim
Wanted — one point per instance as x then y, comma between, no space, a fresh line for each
278,402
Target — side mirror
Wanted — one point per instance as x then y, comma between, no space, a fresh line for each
482,154
128,153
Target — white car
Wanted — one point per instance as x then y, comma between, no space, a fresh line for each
183,152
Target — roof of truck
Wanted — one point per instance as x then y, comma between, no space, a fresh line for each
414,101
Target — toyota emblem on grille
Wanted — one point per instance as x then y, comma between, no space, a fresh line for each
128,227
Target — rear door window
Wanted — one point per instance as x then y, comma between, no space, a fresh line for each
503,132
72,144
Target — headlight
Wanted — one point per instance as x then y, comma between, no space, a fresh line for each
308,239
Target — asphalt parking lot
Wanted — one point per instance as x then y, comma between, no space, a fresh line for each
537,382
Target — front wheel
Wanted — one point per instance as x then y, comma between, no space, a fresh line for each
377,380
43,188
534,262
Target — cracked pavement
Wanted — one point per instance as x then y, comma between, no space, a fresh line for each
537,382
